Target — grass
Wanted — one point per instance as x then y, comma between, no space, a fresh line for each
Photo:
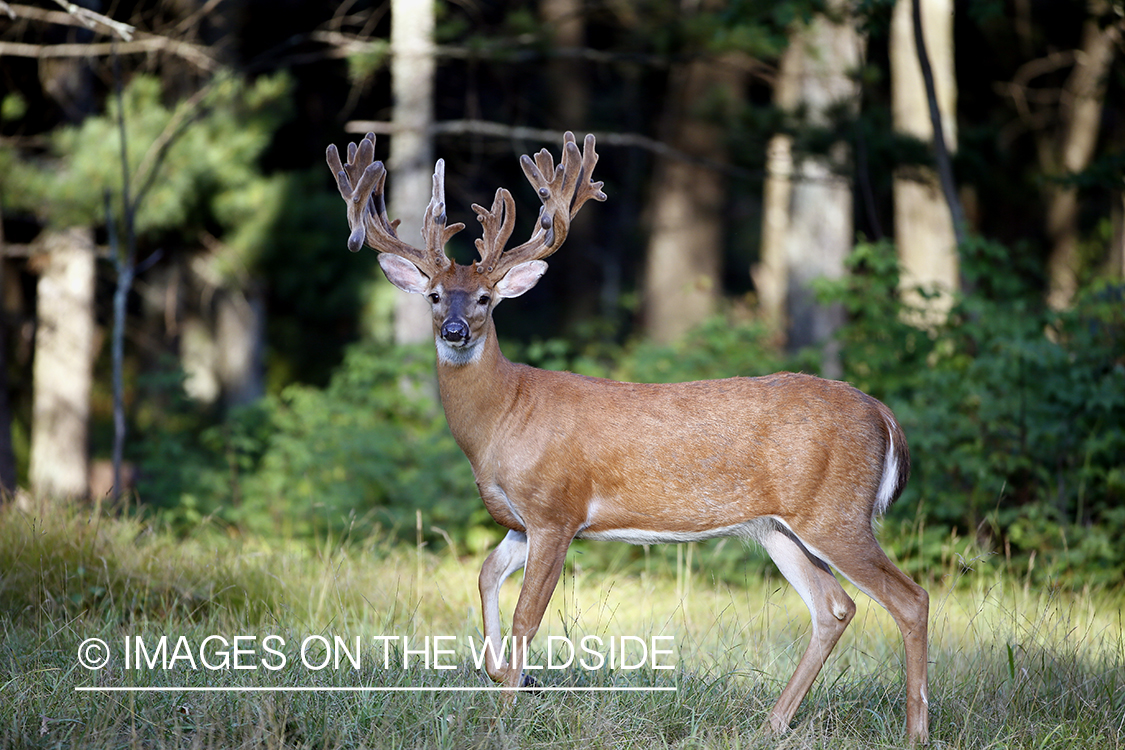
1011,666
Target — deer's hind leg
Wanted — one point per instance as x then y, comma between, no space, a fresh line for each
858,557
831,609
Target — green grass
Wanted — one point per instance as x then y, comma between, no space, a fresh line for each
1011,666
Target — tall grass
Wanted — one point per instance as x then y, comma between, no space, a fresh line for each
1011,666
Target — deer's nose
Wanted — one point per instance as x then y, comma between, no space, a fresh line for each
455,331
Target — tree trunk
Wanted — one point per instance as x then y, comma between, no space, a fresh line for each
1115,264
8,478
9,481
411,156
684,260
199,359
222,346
771,275
569,99
63,366
239,335
819,240
808,228
924,232
1080,110
582,271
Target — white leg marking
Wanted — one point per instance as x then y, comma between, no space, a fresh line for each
508,557
790,560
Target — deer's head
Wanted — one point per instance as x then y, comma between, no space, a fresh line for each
462,297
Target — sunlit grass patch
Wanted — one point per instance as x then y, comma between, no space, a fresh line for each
1011,666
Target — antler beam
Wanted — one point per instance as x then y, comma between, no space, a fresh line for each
361,183
563,190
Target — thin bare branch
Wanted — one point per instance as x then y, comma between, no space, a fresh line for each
58,17
191,21
136,42
192,53
543,135
1042,66
521,133
92,20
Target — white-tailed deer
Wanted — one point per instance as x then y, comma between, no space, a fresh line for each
799,464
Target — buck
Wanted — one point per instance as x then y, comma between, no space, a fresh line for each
799,464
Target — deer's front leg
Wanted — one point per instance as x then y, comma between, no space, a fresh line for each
508,557
546,553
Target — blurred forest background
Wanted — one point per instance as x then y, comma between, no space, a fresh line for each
183,329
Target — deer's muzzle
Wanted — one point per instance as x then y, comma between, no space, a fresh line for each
455,331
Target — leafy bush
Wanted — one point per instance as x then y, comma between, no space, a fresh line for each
1015,413
718,348
369,451
189,469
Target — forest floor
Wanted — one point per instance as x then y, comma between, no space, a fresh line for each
114,634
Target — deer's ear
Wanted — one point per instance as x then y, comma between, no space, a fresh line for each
404,274
520,279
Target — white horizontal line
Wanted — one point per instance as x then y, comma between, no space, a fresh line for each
331,689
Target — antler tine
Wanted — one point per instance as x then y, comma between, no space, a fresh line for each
361,183
587,189
563,189
434,229
498,223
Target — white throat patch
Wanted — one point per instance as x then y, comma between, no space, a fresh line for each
459,355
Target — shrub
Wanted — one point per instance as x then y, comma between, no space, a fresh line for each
1015,413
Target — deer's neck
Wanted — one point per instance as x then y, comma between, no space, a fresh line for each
476,392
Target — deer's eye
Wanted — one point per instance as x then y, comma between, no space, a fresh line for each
484,299
434,297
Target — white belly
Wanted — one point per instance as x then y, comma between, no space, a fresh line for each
747,530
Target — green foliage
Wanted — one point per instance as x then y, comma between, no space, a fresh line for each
364,63
193,467
748,27
12,107
719,348
369,451
881,351
1015,413
314,286
208,172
